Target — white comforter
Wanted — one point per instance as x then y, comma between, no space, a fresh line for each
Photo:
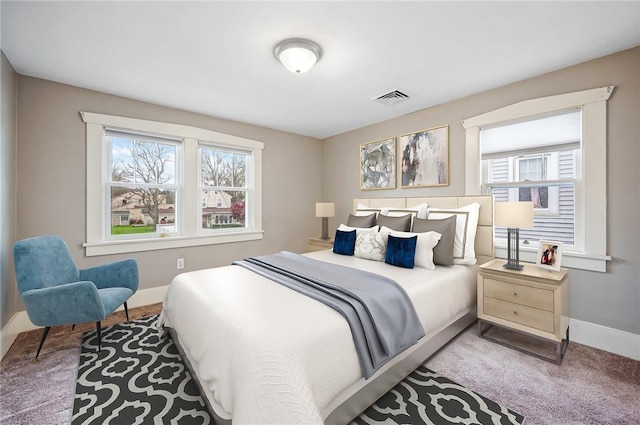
268,355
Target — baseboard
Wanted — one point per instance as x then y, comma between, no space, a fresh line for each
20,321
146,297
615,341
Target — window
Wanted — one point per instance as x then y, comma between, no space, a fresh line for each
564,176
143,184
223,183
148,186
535,161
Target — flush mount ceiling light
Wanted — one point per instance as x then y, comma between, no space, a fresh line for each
297,54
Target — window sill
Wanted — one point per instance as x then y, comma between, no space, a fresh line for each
572,260
122,247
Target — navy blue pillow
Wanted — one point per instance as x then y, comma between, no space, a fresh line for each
344,242
401,251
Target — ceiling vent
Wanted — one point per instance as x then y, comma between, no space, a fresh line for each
392,98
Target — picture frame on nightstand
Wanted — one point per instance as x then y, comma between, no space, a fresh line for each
549,255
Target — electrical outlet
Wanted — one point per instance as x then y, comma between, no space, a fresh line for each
180,264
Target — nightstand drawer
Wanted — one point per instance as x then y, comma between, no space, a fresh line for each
527,316
519,294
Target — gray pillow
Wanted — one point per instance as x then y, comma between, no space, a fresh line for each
364,221
401,223
443,251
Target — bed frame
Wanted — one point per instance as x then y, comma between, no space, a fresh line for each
355,399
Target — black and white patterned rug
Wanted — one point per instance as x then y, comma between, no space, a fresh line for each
137,378
140,378
426,397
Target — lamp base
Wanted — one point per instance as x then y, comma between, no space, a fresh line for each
513,266
325,228
513,252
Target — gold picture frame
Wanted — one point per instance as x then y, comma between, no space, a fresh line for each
378,164
424,157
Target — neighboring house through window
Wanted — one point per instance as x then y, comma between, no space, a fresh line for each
535,161
147,182
143,182
224,174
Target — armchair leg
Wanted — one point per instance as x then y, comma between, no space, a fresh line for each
45,332
126,311
99,336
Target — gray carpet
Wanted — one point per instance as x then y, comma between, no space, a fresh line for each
590,387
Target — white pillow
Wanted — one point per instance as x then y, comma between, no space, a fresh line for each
362,209
419,211
464,251
424,246
345,228
371,245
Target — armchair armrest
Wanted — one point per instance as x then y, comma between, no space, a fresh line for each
119,274
75,302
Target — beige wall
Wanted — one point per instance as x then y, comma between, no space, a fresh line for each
609,299
8,144
52,189
51,176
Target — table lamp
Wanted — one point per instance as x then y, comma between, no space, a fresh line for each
513,216
325,210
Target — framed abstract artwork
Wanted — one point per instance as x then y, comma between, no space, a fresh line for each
378,164
425,157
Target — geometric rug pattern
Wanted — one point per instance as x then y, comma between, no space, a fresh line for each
139,378
426,397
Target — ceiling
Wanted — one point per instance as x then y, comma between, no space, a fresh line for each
216,58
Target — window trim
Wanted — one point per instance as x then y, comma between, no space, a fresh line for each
97,244
594,167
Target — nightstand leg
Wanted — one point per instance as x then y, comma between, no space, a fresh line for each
481,331
561,347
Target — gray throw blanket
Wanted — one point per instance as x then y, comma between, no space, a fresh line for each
382,318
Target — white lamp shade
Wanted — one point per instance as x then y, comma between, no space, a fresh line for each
325,209
297,55
514,214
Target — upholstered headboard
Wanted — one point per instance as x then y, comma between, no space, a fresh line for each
484,234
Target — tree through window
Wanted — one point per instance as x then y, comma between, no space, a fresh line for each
143,183
223,185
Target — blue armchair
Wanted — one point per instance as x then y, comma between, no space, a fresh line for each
55,292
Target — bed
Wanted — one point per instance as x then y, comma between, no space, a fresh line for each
262,353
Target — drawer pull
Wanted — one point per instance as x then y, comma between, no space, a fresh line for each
515,294
515,312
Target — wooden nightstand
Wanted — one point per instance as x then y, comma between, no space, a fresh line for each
318,244
533,301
